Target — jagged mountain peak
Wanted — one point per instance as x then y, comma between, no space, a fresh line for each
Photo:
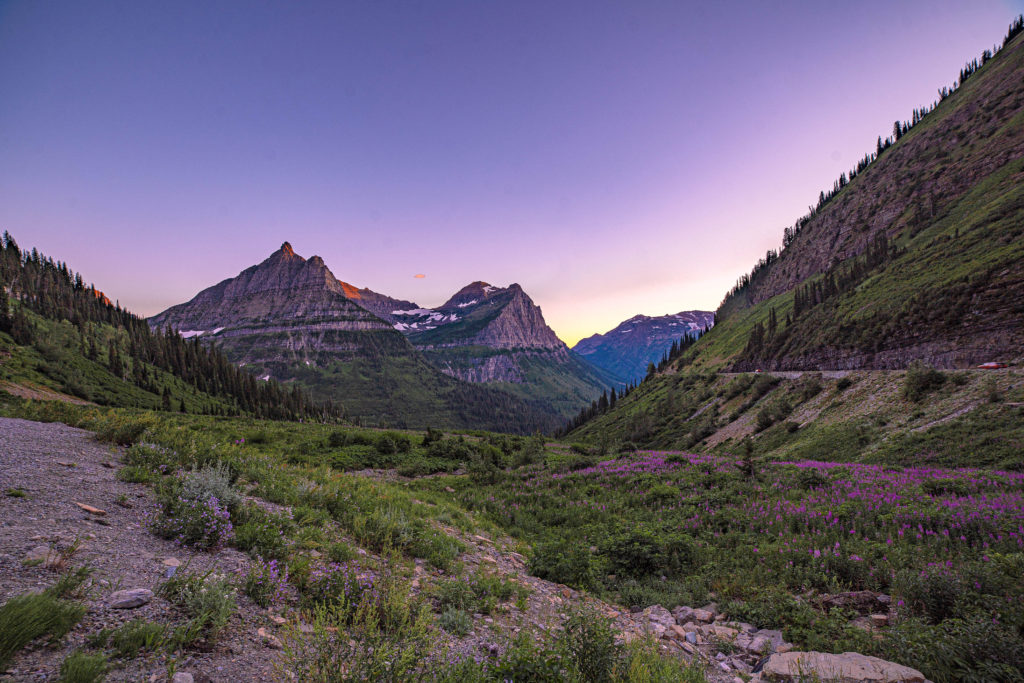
287,250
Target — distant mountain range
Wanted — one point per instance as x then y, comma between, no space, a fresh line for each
291,319
627,350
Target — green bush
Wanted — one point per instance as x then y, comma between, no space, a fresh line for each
212,481
208,601
261,534
565,562
455,621
79,667
588,641
920,381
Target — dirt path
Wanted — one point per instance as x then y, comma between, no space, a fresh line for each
57,466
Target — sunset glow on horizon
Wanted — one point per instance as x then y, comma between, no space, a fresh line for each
612,158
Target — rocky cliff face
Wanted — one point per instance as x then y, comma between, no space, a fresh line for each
626,350
488,334
291,319
285,294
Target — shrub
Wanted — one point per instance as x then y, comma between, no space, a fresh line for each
205,525
386,445
640,552
261,534
337,585
341,552
212,481
125,430
208,600
455,621
265,583
921,380
588,641
79,667
564,562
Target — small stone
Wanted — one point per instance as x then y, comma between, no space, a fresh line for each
449,489
691,638
90,509
269,640
182,677
130,599
172,562
315,554
703,615
724,667
879,620
278,619
42,554
65,463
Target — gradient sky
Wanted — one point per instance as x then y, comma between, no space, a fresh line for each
613,158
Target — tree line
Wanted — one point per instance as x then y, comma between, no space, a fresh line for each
30,281
609,398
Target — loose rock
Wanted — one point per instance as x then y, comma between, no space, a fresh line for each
130,599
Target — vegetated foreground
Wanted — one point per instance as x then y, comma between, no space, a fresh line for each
348,576
773,543
402,572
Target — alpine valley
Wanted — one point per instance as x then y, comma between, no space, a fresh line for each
485,359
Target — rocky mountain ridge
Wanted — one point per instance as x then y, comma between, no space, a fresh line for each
627,349
289,318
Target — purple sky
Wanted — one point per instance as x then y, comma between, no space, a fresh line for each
613,158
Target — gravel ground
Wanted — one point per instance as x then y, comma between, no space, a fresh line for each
57,466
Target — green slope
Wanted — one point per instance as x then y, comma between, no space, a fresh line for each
938,280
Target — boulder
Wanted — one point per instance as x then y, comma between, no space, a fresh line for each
703,615
849,667
682,614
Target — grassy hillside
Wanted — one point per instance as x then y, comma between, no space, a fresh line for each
55,362
957,419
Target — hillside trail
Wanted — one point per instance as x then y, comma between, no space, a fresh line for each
57,467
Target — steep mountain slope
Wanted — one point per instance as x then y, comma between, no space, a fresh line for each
920,257
290,319
498,336
627,350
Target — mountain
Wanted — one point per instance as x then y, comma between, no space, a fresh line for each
291,319
915,259
62,340
627,350
498,336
